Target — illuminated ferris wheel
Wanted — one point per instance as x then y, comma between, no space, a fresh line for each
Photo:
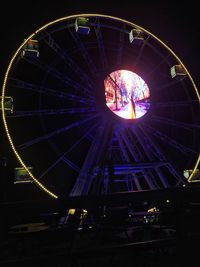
100,105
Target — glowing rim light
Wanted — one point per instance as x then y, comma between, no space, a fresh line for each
127,94
39,30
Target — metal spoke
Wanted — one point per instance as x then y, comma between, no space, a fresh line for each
49,91
48,112
152,146
168,140
63,156
74,167
140,52
174,123
149,155
121,45
60,76
176,104
95,157
67,59
53,133
157,153
157,66
101,44
83,51
137,156
158,52
169,84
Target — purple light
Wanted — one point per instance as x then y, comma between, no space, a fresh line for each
127,94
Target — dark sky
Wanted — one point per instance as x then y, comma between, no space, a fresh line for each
175,22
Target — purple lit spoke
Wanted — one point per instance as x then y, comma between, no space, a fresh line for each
67,59
121,44
166,85
100,42
176,104
71,164
54,133
53,112
175,123
164,60
153,147
48,91
166,139
139,55
60,76
83,51
63,156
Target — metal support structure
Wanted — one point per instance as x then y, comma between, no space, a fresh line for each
149,156
126,157
60,76
175,123
49,91
68,60
186,103
156,151
83,52
121,45
140,52
168,140
136,158
51,112
157,154
96,155
63,156
101,45
53,133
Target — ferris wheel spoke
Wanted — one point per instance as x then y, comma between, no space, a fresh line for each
129,146
176,104
138,158
144,146
63,156
49,112
171,168
71,164
48,91
156,50
60,76
147,174
144,156
169,140
101,46
53,133
168,84
83,52
121,148
67,59
151,154
164,60
152,146
121,44
139,55
175,123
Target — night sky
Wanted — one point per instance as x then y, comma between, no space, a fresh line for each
175,22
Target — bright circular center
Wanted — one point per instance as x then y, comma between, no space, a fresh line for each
127,95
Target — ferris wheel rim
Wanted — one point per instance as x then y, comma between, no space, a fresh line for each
40,30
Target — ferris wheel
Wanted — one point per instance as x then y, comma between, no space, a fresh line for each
100,105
